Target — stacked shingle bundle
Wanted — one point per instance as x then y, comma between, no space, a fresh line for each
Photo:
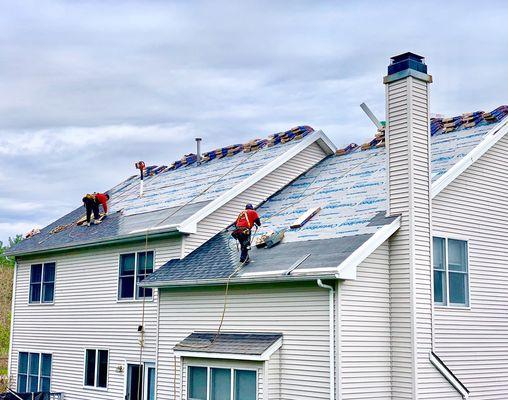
256,144
284,137
346,150
497,115
223,152
378,141
154,170
468,120
472,119
436,125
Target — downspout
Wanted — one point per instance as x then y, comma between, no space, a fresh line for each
332,336
9,363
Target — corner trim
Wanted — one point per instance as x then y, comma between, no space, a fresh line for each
448,375
492,137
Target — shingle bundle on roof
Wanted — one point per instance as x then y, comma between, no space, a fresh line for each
467,120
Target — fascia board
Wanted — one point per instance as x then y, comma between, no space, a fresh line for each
190,224
492,137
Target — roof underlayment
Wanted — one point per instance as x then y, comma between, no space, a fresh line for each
349,188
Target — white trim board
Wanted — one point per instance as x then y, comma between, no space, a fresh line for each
190,224
490,139
448,375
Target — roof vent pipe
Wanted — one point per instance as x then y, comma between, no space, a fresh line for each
198,150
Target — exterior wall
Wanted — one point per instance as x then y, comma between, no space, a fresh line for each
86,314
259,192
299,311
474,342
364,331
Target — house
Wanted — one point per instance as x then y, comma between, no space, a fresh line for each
395,288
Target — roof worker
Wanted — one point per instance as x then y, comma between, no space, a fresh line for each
91,203
244,223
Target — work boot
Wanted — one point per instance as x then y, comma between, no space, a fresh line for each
96,222
86,224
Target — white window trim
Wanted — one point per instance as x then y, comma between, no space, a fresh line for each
448,305
209,366
40,302
96,371
134,299
40,368
146,365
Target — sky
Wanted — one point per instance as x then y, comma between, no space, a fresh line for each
89,87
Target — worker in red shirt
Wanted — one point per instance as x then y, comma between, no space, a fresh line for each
91,203
244,223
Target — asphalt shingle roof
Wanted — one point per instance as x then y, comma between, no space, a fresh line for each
229,343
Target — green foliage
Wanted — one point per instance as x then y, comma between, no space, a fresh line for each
4,260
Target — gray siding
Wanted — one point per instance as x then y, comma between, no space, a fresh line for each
85,314
364,336
299,311
257,193
474,342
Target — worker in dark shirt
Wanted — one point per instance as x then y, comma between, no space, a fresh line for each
243,226
91,203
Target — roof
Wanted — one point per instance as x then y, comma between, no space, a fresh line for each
239,345
349,189
171,195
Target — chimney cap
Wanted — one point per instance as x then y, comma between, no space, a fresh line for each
405,61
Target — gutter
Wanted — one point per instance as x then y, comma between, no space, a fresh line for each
129,238
331,335
448,375
244,281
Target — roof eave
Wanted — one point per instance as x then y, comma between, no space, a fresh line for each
129,238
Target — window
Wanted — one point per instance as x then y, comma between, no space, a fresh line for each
96,368
451,281
34,372
42,283
133,269
208,383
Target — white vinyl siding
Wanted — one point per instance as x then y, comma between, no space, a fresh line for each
364,331
257,193
473,342
86,315
298,311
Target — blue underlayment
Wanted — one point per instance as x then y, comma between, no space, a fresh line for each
177,187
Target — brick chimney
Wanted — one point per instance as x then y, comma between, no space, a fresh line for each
408,147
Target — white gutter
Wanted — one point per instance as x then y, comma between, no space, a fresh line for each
14,279
332,336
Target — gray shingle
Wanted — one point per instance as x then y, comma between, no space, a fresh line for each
229,343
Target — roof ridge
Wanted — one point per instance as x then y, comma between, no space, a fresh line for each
295,133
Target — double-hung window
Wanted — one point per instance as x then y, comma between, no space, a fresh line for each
451,270
34,372
210,383
42,283
134,267
96,368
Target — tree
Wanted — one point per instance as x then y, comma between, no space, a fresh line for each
4,260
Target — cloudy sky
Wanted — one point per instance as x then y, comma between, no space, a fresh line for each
89,87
